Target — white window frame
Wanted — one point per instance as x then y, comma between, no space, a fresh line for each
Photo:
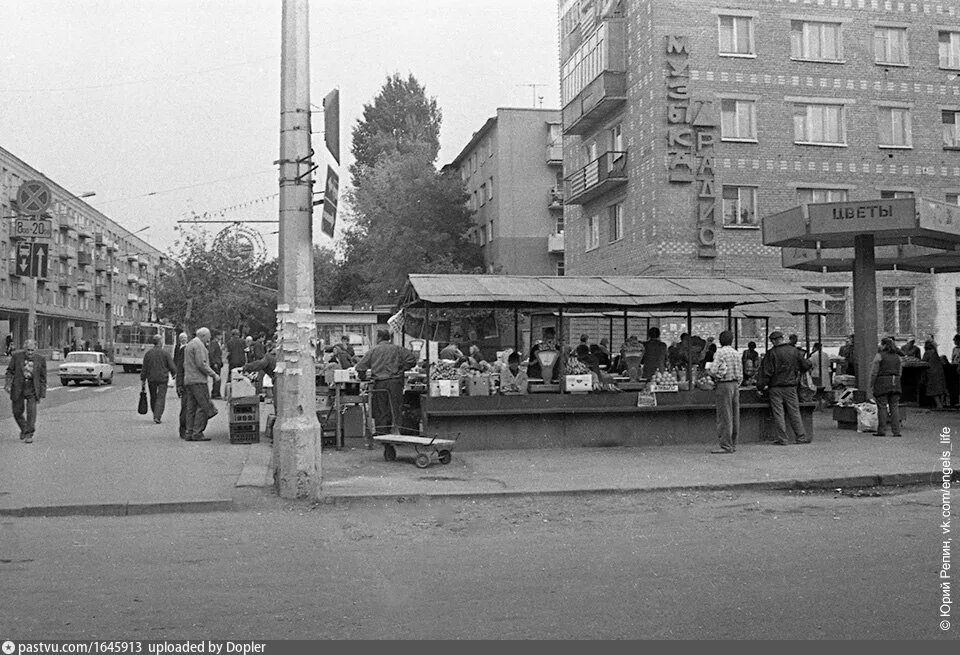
882,41
490,189
734,36
483,194
561,268
896,118
955,130
489,231
802,42
615,218
896,194
810,110
830,194
616,138
893,294
592,233
740,189
952,198
739,107
949,56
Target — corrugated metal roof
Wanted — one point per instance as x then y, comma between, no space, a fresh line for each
595,292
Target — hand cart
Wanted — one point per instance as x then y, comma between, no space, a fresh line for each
424,448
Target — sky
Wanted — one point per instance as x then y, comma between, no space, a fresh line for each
170,108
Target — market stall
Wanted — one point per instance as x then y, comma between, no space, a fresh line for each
674,408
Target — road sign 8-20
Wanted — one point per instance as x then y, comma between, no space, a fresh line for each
38,229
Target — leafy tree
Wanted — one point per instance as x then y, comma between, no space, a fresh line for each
402,119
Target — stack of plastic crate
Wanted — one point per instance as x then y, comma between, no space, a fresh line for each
245,419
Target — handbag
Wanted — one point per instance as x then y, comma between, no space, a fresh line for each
142,405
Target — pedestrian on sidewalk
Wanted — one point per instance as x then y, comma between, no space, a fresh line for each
885,385
196,370
155,373
26,381
780,371
727,369
216,363
178,364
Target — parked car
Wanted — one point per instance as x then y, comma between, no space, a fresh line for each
86,365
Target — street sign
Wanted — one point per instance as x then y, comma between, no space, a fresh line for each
33,228
40,259
33,197
24,258
331,123
328,220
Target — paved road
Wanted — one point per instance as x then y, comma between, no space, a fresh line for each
59,395
671,565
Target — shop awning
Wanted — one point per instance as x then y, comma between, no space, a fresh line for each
620,292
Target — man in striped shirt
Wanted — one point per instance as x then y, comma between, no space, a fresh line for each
727,371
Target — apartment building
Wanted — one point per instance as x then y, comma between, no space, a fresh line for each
98,273
512,171
687,121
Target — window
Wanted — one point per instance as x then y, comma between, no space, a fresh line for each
561,268
483,236
616,221
949,49
560,224
740,206
474,202
890,45
555,137
490,189
593,232
834,324
895,128
815,40
738,120
819,124
736,35
953,198
490,147
489,231
951,128
616,138
892,195
805,196
483,194
590,151
897,310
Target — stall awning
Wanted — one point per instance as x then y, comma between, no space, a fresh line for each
624,292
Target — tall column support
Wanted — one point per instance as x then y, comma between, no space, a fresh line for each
864,306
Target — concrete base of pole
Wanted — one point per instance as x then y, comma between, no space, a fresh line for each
296,458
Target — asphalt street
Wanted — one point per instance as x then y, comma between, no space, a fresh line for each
661,565
58,395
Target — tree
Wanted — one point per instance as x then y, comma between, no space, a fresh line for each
402,119
409,218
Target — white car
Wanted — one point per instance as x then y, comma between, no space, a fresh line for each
86,365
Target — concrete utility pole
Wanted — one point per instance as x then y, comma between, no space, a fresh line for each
297,431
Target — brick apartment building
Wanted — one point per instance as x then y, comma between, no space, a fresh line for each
512,171
99,272
687,121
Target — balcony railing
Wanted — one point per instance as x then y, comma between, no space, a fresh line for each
99,289
84,258
84,287
555,242
132,297
142,281
99,264
132,278
594,79
69,251
597,178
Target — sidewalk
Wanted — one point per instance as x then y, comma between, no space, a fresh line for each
98,456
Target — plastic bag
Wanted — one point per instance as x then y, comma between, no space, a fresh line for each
866,417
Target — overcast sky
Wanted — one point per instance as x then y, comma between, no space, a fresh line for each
166,107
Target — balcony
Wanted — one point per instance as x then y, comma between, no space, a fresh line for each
111,245
98,238
12,268
597,178
99,289
99,264
554,154
555,242
113,271
132,257
132,297
142,300
84,287
555,198
67,280
594,79
132,278
84,258
68,252
68,222
142,282
84,232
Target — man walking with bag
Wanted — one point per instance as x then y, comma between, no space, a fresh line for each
155,373
27,383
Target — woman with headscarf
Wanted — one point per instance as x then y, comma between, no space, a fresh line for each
885,386
933,379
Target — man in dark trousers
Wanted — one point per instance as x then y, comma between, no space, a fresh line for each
27,383
236,357
178,364
386,362
780,371
157,368
196,370
216,362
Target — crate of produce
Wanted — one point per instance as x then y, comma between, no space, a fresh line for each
245,410
244,433
664,388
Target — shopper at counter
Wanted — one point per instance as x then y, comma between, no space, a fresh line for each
654,354
726,369
386,362
779,377
751,363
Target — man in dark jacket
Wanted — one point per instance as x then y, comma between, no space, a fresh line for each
157,368
236,357
216,362
780,371
386,362
27,383
181,389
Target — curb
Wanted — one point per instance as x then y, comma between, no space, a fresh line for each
123,509
887,480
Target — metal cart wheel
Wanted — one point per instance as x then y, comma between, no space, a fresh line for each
422,461
445,456
389,452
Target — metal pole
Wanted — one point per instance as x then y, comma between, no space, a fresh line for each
625,326
561,360
403,329
689,346
426,326
806,322
516,330
297,430
736,333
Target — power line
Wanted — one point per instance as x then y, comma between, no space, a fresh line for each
188,186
